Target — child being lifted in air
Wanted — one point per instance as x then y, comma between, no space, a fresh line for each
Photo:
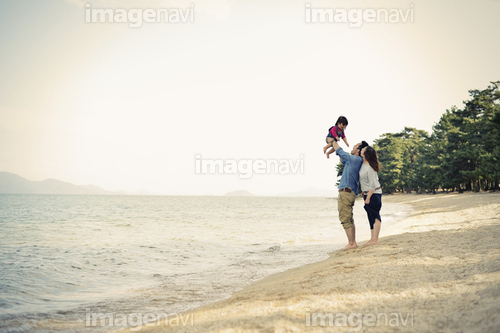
335,133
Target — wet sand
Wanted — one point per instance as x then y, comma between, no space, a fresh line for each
442,274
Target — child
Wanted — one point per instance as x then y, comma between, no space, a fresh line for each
335,133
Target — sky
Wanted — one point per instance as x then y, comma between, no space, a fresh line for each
136,108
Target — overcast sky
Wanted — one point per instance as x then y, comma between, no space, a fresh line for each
130,108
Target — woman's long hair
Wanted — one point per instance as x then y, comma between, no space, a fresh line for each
372,158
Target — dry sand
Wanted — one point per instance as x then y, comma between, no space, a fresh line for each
441,275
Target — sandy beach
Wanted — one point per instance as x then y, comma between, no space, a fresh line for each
441,275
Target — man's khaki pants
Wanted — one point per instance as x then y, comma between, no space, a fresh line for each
345,205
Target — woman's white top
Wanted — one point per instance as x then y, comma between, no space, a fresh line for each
368,179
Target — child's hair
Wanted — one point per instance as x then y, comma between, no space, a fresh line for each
372,158
342,120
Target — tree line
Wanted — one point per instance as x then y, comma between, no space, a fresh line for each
461,154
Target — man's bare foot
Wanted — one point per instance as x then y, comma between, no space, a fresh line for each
370,243
350,246
324,149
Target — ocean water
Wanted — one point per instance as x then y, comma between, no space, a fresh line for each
65,256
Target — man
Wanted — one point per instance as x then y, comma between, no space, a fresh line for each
348,189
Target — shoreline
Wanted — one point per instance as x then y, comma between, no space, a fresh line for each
442,273
159,294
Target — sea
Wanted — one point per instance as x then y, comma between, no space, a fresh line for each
66,259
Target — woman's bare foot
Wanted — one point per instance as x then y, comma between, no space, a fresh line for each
350,246
370,243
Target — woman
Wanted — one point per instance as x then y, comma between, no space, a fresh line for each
372,193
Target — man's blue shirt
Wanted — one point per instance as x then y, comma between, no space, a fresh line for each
350,176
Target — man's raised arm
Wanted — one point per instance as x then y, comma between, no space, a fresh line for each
344,156
335,145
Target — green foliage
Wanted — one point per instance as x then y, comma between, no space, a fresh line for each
462,153
400,155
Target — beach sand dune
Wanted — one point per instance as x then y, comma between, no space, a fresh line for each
441,275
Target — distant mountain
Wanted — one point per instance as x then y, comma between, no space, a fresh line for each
12,183
308,192
240,193
312,192
97,190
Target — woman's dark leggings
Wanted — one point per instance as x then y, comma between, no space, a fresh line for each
373,209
